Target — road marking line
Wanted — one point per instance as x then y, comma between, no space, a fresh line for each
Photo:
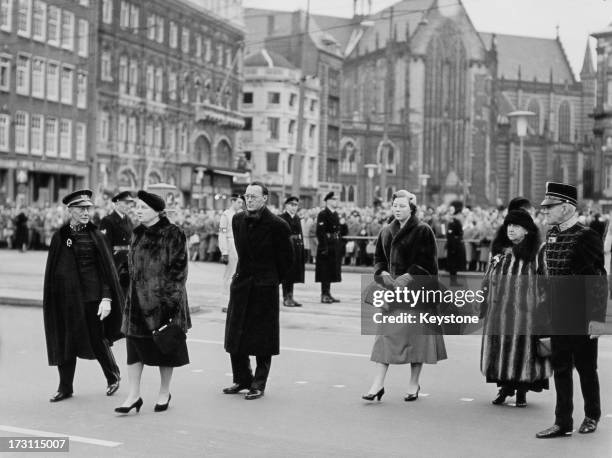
301,382
338,386
424,394
34,432
301,350
466,399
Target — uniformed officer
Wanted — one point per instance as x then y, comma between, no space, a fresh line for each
296,273
82,300
229,256
118,227
455,248
329,249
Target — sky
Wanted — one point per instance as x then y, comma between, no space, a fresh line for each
576,19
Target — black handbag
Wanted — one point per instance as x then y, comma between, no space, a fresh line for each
168,337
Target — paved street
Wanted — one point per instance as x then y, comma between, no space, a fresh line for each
312,405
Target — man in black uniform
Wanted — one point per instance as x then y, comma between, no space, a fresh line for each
455,248
118,227
296,273
82,301
329,249
574,261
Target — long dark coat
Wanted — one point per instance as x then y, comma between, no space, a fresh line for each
158,263
21,230
455,248
329,249
66,328
514,313
410,249
264,258
296,273
118,232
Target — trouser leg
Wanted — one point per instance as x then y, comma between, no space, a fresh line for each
261,372
325,288
585,360
562,365
100,345
66,376
241,369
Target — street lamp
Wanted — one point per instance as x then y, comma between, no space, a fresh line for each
370,168
521,131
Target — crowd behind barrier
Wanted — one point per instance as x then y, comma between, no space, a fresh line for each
31,228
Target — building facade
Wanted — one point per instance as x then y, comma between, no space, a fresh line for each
168,91
270,105
47,88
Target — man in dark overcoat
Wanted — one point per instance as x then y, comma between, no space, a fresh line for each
82,303
328,267
118,228
574,265
296,273
252,324
455,248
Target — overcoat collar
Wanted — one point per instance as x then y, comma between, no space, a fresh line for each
398,232
155,229
65,229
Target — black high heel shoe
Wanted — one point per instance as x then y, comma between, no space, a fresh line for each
137,405
414,396
371,397
162,407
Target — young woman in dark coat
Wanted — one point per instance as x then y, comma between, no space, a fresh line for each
513,312
157,295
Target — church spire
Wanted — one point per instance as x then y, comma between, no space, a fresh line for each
587,64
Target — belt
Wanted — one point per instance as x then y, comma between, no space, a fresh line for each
296,236
121,247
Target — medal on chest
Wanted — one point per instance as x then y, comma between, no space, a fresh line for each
69,243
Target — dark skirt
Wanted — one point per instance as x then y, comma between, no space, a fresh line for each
143,350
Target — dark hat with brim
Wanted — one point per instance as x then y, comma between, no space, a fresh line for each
521,218
329,195
292,199
125,195
80,198
152,200
559,193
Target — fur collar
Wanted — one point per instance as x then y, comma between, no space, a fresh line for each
157,228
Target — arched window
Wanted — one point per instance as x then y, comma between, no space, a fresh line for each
224,154
390,192
348,162
127,180
351,194
564,122
202,150
534,121
343,194
153,178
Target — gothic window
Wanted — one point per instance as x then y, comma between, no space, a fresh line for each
534,121
224,154
564,122
348,162
351,193
446,69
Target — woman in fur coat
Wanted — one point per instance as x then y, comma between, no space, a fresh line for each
156,296
513,311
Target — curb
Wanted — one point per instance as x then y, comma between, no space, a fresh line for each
15,301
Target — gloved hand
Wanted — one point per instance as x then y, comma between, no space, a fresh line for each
104,308
224,259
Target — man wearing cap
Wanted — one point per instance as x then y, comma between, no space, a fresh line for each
82,298
296,273
329,250
118,228
577,299
252,326
229,257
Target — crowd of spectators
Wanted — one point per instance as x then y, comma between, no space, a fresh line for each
31,227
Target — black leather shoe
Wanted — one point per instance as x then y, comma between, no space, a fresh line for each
588,426
414,396
521,399
112,388
325,299
59,396
554,431
333,298
289,303
296,304
235,388
253,394
162,407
